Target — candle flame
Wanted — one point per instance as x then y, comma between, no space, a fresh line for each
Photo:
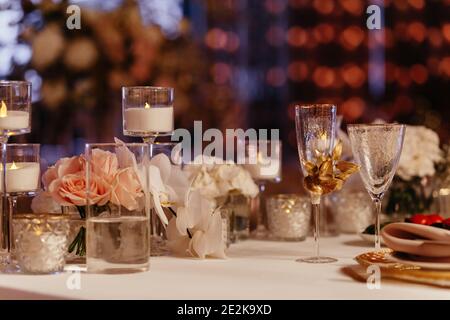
13,166
147,106
3,110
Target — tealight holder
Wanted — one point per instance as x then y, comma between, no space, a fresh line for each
288,216
147,112
22,179
15,119
40,242
263,161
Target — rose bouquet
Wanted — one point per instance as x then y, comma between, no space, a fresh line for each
113,182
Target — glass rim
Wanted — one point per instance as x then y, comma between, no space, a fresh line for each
315,105
112,144
5,83
284,196
149,87
47,216
373,125
167,143
257,141
23,144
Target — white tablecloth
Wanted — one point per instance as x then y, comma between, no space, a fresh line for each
254,270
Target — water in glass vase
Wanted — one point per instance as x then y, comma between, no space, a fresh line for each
118,245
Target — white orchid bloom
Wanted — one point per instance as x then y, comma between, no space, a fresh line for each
169,184
197,228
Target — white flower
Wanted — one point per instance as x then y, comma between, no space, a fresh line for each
81,54
168,184
47,46
216,178
420,153
44,203
197,228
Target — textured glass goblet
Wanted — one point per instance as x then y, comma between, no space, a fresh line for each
377,149
316,131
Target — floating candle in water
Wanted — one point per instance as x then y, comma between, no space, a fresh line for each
13,119
21,177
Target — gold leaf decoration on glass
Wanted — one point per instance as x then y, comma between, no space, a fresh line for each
328,173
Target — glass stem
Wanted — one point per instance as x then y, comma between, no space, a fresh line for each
6,245
260,217
316,215
149,140
377,223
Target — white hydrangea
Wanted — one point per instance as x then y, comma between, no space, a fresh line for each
420,153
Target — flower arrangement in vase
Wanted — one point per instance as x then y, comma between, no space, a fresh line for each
111,186
413,185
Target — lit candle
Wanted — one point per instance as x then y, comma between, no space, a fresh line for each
149,119
21,177
14,119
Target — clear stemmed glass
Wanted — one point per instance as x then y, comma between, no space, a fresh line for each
315,126
15,119
263,161
147,112
377,149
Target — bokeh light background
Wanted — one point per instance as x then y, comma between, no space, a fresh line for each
233,63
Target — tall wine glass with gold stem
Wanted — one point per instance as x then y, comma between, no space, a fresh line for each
320,161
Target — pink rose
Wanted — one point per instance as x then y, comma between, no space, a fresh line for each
61,168
104,164
126,189
71,190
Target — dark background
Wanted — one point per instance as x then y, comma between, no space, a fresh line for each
233,63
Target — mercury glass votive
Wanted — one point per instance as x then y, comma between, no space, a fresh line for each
40,242
352,211
288,216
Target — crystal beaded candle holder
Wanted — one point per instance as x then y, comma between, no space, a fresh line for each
288,216
40,242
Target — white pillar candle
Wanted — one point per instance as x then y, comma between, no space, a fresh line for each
20,176
149,119
13,120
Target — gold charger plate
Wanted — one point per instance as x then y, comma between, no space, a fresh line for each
396,270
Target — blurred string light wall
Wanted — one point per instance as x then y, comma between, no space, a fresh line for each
283,52
246,63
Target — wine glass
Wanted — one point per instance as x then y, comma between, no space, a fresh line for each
377,149
263,162
147,112
316,129
15,119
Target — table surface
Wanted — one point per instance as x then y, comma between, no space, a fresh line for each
254,270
